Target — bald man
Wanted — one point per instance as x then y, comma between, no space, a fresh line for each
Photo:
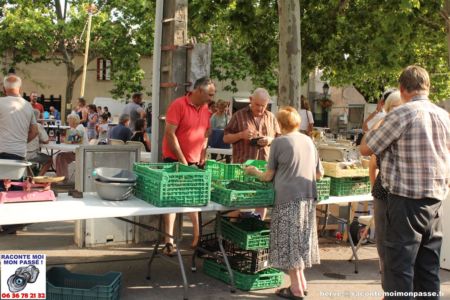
18,125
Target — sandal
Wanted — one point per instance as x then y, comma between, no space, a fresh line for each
168,249
286,293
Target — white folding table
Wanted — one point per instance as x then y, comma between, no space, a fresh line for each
345,200
66,208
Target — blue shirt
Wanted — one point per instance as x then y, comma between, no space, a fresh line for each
121,132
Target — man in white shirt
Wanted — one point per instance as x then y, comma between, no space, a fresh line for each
18,125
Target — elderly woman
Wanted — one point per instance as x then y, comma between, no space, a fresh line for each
392,100
294,166
74,135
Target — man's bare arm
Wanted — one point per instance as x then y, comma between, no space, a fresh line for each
32,132
173,142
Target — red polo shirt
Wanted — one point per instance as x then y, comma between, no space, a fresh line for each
192,124
38,106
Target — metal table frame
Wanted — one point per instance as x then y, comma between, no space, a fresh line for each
346,222
91,206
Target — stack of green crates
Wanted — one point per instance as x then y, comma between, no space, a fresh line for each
172,185
323,188
247,233
348,186
235,193
232,187
266,279
248,240
223,171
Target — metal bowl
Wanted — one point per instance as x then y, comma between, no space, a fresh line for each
114,191
114,175
12,169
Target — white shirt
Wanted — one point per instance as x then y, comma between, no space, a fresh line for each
307,118
34,144
16,117
378,117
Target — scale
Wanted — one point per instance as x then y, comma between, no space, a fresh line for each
33,188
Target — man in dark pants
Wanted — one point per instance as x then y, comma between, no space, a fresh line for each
413,144
18,126
185,140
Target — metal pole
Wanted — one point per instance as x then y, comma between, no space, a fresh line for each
86,51
156,79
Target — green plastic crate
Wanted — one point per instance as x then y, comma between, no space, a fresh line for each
65,285
247,233
244,261
172,185
348,186
266,279
242,194
323,188
223,171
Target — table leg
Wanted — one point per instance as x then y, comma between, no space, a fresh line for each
352,245
183,273
325,222
224,254
197,248
155,252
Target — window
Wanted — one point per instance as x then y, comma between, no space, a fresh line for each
103,69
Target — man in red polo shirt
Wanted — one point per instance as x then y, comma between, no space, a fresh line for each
36,105
185,140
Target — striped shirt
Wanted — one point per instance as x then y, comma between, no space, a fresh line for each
414,141
243,119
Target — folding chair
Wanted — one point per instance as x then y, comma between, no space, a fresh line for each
116,142
137,143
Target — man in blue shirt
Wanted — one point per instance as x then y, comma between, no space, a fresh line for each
55,113
121,131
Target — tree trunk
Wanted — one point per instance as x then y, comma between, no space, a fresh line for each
447,27
71,79
289,80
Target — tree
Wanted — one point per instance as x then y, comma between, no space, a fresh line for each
378,38
244,37
54,30
289,83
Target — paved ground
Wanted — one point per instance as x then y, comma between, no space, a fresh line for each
332,279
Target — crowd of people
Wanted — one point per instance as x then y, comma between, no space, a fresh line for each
407,136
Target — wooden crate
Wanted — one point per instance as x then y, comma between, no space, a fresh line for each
338,170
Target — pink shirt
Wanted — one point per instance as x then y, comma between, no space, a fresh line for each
192,124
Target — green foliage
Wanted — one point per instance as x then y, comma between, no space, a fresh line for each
380,38
122,30
244,43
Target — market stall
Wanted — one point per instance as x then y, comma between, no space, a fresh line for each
163,200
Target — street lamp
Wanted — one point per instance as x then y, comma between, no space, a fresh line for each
325,89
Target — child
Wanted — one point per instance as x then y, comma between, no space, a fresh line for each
102,130
92,121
